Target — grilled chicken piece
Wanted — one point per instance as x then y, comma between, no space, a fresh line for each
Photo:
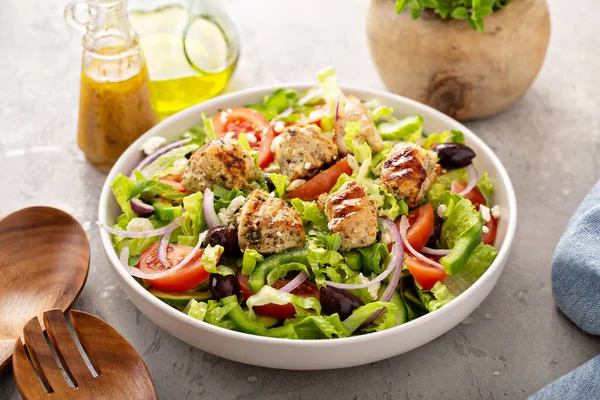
352,111
268,224
409,171
221,161
303,149
351,214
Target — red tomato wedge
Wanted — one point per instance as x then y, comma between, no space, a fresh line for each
307,289
174,181
489,236
474,195
426,275
322,182
421,226
246,120
182,280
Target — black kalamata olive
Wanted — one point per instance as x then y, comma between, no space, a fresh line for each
269,183
223,286
454,155
225,236
437,230
339,301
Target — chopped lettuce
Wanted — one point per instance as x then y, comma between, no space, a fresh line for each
436,297
380,112
281,271
209,128
122,188
277,103
309,326
280,182
329,241
373,257
323,263
224,197
210,259
269,295
193,220
217,314
479,261
249,261
332,95
460,216
362,313
311,214
453,136
360,149
196,309
155,188
156,168
486,187
406,129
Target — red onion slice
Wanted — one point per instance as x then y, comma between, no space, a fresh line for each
309,96
160,152
294,283
163,246
397,258
473,179
287,112
337,110
141,208
403,228
435,252
153,232
124,256
208,206
397,247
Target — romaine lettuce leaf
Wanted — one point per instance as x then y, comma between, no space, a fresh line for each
155,188
196,309
318,326
373,256
310,213
209,128
269,295
362,313
280,182
479,261
329,241
210,259
154,169
438,296
406,129
486,187
281,271
459,218
223,197
193,220
122,188
249,261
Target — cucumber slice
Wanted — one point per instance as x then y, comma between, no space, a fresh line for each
269,322
180,300
401,313
165,210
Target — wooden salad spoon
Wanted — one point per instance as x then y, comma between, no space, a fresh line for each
120,371
44,262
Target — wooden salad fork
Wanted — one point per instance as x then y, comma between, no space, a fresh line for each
121,372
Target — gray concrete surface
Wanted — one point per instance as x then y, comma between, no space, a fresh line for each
549,141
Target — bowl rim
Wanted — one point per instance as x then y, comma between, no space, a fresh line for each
498,263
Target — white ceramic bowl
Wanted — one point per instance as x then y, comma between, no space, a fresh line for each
315,354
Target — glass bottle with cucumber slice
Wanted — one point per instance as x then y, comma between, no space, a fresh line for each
191,47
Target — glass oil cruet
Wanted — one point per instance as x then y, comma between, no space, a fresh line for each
115,106
191,46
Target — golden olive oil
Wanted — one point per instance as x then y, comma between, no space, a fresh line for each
188,56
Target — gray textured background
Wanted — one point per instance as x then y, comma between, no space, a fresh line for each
549,142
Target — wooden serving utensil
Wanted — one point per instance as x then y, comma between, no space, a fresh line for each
44,263
121,372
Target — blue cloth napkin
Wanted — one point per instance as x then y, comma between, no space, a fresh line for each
576,290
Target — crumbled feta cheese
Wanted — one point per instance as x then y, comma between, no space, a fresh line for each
272,194
275,143
223,117
386,237
295,184
279,234
153,144
278,126
441,210
139,225
250,137
373,289
265,130
307,165
227,215
496,212
229,135
485,213
485,229
181,163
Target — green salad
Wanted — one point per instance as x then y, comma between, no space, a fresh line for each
311,215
